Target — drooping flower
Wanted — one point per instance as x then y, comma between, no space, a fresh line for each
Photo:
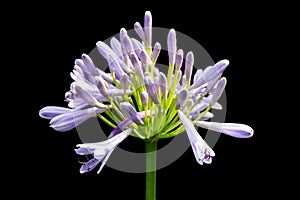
100,151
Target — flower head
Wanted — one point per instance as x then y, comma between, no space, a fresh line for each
134,97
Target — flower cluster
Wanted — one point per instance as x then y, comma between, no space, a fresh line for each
136,99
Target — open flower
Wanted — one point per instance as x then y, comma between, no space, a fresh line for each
100,151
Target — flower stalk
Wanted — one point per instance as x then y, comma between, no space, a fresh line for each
151,170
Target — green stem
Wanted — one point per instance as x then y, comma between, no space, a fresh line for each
151,170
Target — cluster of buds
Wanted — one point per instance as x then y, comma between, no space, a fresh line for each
136,99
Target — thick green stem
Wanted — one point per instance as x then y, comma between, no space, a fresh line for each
151,170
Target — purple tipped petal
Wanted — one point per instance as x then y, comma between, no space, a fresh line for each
68,121
139,30
89,65
155,52
202,151
145,59
197,75
49,112
179,59
219,90
148,28
189,63
232,129
129,112
172,46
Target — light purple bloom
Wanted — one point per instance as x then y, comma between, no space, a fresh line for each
162,80
151,88
144,98
89,65
216,94
100,151
232,129
182,98
203,153
101,86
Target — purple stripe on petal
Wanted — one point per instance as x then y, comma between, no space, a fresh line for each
88,166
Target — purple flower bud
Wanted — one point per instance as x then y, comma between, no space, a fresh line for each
128,111
139,30
101,85
114,66
124,81
128,47
148,28
182,97
211,73
155,52
163,84
70,120
144,98
145,59
183,81
137,46
88,98
104,49
179,59
137,65
116,47
232,129
172,46
219,90
189,63
151,88
49,112
89,65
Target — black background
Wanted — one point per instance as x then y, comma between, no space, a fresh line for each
57,35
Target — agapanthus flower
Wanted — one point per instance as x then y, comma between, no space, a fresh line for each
136,99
